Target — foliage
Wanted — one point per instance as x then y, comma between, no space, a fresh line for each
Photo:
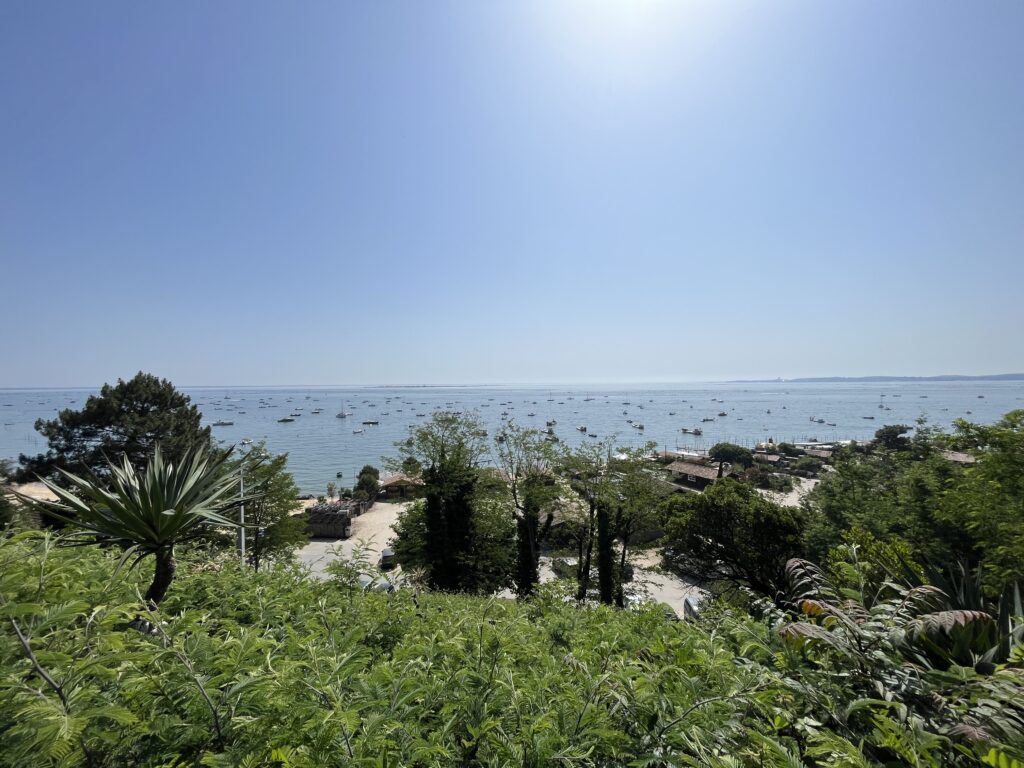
588,512
732,534
809,464
271,669
129,418
890,494
367,484
273,531
463,541
891,437
7,503
148,513
526,460
486,567
732,453
900,654
946,513
988,500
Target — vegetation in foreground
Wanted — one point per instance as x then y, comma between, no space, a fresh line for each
272,669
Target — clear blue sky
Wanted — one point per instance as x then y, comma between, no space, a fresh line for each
473,192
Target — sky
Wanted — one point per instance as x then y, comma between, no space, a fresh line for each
336,192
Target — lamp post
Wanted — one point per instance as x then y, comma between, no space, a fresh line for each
241,482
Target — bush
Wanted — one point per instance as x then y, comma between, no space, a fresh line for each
269,668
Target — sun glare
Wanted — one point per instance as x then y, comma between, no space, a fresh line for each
623,39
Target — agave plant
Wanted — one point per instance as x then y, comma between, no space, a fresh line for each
151,512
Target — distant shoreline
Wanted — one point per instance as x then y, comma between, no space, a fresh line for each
882,379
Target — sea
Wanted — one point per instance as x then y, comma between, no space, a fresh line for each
323,448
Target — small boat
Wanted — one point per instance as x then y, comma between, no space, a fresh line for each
285,420
581,429
707,419
722,413
638,426
223,423
870,418
698,432
591,434
551,423
371,423
831,424
295,415
358,431
340,474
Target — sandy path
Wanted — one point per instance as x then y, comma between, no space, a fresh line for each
801,487
373,528
34,491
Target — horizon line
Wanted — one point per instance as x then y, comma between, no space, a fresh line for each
595,382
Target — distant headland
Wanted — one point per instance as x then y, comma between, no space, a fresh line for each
871,379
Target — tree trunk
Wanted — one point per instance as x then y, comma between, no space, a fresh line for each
605,556
620,588
583,566
163,575
527,555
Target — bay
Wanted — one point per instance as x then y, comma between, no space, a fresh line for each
320,445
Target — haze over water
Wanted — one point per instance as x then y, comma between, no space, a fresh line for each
321,445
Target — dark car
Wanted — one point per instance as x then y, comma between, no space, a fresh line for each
387,559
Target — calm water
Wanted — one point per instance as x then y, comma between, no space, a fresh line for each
320,445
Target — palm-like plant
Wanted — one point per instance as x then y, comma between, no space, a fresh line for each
149,513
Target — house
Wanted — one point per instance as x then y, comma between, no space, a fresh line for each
691,474
818,453
398,487
768,458
958,457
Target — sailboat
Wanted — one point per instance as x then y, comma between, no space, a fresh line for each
343,414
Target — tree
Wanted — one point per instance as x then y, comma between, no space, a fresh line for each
589,514
129,418
149,513
987,502
332,490
731,534
641,492
7,508
732,453
464,544
526,460
367,483
891,493
272,531
411,466
891,437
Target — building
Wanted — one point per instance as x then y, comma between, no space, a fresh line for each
691,474
958,457
399,487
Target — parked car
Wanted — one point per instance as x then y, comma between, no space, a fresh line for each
387,559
